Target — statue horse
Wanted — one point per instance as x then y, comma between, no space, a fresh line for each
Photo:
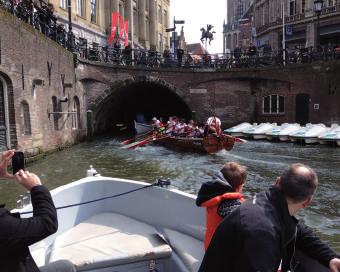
207,34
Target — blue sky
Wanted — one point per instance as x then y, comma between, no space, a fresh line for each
197,14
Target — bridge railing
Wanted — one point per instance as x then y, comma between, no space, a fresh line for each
41,18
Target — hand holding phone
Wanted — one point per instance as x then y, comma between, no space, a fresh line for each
18,161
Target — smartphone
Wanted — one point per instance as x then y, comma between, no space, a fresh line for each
18,161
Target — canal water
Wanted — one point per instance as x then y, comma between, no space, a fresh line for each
265,161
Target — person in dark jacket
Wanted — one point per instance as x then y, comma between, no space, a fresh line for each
16,233
221,196
262,235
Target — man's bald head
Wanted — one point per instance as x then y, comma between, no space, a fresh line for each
298,182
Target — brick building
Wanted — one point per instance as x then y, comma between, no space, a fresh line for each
237,32
301,23
91,19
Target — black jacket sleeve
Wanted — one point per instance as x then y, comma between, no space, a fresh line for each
312,246
17,233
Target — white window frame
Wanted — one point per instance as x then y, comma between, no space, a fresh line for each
270,104
81,8
63,4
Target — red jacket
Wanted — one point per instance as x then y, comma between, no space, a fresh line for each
213,219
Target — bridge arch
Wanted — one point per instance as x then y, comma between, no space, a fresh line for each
144,97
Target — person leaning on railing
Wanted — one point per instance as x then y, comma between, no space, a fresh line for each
16,233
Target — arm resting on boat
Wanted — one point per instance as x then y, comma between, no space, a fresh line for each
313,246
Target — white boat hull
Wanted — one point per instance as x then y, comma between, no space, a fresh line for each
120,234
149,227
284,138
259,136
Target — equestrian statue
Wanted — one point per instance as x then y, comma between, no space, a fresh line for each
207,34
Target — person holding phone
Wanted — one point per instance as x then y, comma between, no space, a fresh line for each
16,233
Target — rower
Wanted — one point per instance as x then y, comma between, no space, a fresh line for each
212,126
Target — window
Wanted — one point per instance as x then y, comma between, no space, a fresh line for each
63,4
76,113
165,18
93,4
292,7
160,14
81,8
56,108
273,104
25,119
303,6
160,40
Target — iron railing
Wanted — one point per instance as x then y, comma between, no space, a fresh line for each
44,21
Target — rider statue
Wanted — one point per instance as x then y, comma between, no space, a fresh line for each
207,34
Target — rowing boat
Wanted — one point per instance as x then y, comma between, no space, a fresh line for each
210,144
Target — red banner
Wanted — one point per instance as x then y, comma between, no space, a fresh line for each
114,25
123,29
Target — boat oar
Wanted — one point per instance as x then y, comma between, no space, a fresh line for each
138,143
135,137
235,139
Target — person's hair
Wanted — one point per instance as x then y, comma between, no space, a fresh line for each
298,182
234,173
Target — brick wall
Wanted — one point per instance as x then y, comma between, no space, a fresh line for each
26,57
234,95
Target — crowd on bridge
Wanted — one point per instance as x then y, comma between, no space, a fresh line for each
41,16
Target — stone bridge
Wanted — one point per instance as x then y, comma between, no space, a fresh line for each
307,93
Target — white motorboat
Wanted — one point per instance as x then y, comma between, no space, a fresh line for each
112,224
147,229
142,128
273,133
309,134
258,132
332,135
237,131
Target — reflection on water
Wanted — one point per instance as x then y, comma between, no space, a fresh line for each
265,161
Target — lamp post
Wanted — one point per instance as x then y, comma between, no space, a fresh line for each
318,4
173,29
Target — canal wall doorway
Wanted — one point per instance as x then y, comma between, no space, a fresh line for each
302,108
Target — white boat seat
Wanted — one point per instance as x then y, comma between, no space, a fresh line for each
189,249
109,239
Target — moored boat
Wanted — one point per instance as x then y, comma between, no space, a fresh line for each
273,133
237,131
142,128
286,131
112,224
258,132
309,134
331,136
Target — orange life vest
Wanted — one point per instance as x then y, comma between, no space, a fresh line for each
213,219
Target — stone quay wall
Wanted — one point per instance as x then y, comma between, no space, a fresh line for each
42,102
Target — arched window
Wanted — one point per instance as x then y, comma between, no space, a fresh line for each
273,104
76,113
25,118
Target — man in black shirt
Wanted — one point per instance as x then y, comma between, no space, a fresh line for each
16,233
263,234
